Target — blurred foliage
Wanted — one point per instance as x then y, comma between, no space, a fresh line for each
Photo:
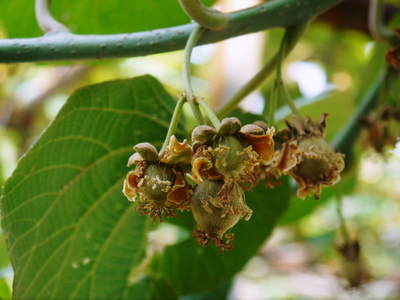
87,16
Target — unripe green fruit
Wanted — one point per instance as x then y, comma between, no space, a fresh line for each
318,165
209,218
157,182
230,157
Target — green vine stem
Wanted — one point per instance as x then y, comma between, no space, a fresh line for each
67,46
209,112
206,17
342,221
45,20
174,122
186,74
377,29
292,35
187,82
272,105
279,90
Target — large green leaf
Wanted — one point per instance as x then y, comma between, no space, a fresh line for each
70,231
90,16
191,269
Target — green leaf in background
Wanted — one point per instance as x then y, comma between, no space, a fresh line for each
300,208
94,17
192,269
70,231
5,292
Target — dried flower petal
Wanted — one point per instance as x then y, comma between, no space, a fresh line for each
262,143
203,166
179,196
176,152
132,180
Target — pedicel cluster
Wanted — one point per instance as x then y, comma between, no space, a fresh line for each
224,162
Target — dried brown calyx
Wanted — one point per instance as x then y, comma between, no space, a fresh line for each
353,265
308,157
382,128
212,219
232,152
393,57
157,184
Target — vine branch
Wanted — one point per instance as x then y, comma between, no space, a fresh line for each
67,46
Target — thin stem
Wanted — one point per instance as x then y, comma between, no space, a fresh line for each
342,222
378,30
187,82
192,41
289,100
272,105
209,113
186,74
206,17
278,80
292,35
174,122
44,18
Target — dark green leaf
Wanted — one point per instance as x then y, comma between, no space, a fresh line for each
192,269
88,16
71,232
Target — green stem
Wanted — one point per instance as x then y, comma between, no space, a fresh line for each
289,100
206,17
377,29
342,222
278,89
292,35
271,14
272,105
174,122
209,113
44,18
186,74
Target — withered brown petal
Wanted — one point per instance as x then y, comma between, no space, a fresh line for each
176,152
264,144
180,193
130,184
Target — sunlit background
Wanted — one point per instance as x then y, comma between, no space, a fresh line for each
323,74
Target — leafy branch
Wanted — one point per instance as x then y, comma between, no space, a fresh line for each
68,46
